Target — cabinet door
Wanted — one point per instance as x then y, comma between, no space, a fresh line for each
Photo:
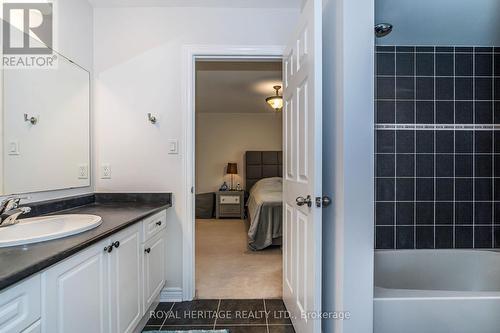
35,328
154,268
126,280
75,293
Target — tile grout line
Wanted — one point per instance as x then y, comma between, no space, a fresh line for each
447,178
415,150
493,151
265,312
395,148
217,313
473,143
435,145
441,100
166,317
454,144
376,119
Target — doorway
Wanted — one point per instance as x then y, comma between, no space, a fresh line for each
302,181
238,157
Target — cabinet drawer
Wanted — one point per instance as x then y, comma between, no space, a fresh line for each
153,225
229,199
230,209
20,306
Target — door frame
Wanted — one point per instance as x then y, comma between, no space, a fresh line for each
192,53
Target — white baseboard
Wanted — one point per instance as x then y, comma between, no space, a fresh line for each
171,295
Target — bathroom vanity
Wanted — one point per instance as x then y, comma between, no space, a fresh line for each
88,263
101,280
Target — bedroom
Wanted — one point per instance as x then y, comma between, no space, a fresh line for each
238,154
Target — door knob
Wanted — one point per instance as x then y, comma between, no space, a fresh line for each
324,201
301,201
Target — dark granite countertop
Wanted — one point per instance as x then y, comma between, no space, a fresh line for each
19,262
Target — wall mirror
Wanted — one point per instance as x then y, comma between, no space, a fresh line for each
46,128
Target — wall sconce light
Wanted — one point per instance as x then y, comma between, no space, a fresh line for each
152,119
33,120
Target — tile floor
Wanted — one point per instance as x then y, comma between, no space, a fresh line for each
237,316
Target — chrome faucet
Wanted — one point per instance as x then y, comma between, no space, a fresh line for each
10,211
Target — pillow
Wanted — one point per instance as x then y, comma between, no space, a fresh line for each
271,184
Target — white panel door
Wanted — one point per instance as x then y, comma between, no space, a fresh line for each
302,175
126,280
75,294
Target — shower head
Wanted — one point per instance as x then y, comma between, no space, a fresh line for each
383,29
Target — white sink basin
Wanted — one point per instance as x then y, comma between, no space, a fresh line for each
39,229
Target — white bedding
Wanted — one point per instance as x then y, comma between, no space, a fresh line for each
267,190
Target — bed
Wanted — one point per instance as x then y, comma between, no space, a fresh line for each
265,202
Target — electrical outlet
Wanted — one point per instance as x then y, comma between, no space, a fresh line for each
83,171
105,171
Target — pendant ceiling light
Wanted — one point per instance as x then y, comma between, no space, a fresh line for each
276,101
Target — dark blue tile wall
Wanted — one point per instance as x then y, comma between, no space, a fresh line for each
437,161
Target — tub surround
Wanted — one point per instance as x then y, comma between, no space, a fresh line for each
437,147
435,291
118,211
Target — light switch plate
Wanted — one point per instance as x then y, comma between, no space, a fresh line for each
83,171
105,171
14,148
173,146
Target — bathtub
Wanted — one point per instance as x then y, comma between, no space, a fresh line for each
437,291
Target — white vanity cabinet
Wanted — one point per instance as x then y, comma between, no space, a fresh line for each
105,288
154,256
75,293
125,282
153,269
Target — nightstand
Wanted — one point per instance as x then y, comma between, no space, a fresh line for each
230,204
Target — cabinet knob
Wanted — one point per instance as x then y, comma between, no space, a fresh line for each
147,250
108,248
116,244
158,223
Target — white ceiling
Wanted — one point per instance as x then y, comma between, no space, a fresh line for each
236,87
198,3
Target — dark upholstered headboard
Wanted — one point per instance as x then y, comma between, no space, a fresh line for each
262,164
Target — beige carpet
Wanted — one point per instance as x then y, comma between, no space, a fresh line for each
226,269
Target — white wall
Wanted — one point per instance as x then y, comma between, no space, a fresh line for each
225,137
348,243
443,22
138,69
73,29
